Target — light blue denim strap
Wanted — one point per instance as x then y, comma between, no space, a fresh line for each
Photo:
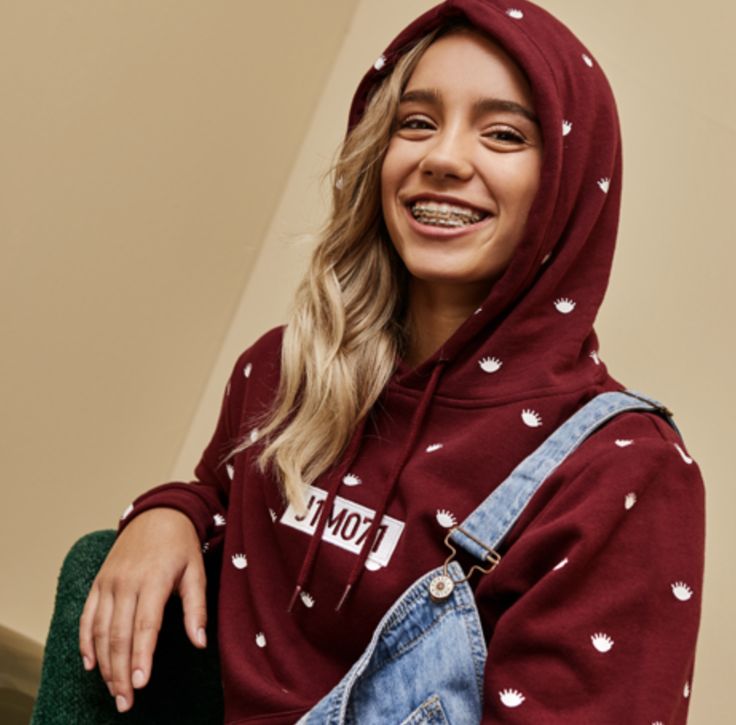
417,648
488,524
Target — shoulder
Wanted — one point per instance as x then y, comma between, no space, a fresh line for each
630,498
635,444
265,351
258,365
639,451
255,376
635,459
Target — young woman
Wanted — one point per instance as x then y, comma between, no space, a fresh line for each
443,331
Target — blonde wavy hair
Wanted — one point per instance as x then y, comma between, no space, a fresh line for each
346,327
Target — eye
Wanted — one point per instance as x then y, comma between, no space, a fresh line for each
415,123
505,136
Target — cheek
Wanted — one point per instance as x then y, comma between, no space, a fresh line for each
390,170
388,187
388,195
522,186
385,182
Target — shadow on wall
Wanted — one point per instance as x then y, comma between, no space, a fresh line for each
20,672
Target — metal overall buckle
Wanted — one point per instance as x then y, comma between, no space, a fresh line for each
442,586
660,407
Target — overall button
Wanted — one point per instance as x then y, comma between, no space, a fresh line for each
441,587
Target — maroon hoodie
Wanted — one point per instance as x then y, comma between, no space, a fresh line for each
593,611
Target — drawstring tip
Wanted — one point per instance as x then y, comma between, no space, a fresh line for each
297,591
343,597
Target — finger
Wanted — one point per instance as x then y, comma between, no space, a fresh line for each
86,643
192,590
101,634
147,625
121,638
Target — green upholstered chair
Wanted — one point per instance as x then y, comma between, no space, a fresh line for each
185,686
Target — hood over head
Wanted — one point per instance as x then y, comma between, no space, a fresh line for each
533,334
537,320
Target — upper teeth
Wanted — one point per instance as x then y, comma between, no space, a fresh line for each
440,212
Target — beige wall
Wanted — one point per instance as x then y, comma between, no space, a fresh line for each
160,168
144,147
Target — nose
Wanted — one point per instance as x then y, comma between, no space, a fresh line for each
448,156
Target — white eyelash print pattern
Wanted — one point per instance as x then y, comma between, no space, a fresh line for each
683,455
686,690
515,14
350,479
594,357
681,591
127,512
219,520
560,565
445,518
247,370
307,599
432,447
479,310
602,642
230,470
531,418
587,59
629,501
604,185
227,388
380,62
564,305
511,698
273,515
253,435
623,442
657,722
566,127
261,639
490,364
240,561
205,547
546,257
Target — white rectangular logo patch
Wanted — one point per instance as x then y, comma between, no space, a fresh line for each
347,527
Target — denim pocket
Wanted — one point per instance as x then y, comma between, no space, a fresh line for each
430,712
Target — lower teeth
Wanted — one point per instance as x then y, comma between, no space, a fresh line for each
445,223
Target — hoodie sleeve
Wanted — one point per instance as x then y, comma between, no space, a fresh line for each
594,610
204,500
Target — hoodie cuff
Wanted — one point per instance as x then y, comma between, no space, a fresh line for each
183,497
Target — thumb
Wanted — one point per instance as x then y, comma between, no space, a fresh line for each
192,590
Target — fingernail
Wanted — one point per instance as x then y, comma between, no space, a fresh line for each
202,637
138,678
121,703
87,663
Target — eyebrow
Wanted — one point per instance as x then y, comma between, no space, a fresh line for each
480,106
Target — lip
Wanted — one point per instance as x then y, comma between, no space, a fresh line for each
427,230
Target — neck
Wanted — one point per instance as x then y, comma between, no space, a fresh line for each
435,312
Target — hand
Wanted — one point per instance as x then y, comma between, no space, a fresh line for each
158,552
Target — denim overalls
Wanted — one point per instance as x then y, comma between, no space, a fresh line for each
425,662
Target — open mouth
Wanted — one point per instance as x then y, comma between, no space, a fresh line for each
442,214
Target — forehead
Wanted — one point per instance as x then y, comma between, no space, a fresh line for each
465,61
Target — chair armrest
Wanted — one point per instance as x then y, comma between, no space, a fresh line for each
185,686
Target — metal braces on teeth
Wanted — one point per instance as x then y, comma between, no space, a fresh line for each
446,217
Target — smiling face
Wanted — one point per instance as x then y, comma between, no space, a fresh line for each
463,164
